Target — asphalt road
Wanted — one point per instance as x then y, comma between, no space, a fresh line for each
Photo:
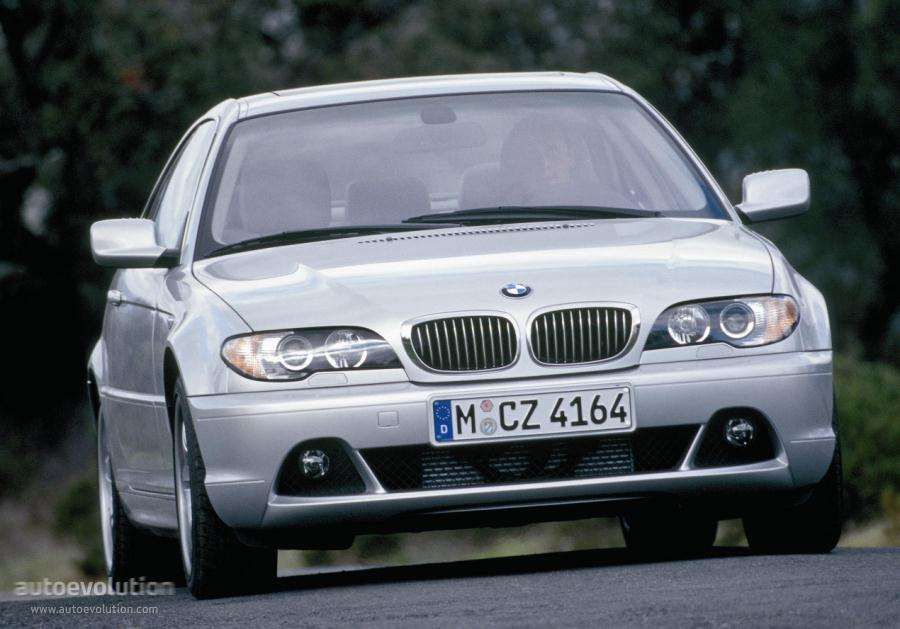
729,587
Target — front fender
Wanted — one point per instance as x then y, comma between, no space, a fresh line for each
96,364
202,321
96,374
815,328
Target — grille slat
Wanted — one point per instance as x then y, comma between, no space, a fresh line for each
482,357
546,338
571,327
606,333
446,342
555,338
458,356
491,339
564,337
621,327
580,335
437,344
467,336
500,343
583,353
616,327
471,343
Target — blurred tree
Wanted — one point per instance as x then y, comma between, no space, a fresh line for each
820,92
860,62
95,93
41,304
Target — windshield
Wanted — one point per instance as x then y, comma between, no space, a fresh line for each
382,163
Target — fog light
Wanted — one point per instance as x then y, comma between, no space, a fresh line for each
314,463
739,432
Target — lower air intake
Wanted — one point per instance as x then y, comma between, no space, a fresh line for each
411,468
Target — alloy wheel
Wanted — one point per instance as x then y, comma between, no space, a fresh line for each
105,484
183,492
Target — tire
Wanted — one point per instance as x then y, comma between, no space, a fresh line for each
813,526
215,562
667,534
128,552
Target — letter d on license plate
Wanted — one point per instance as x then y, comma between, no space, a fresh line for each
532,415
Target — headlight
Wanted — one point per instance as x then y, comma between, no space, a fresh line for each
688,324
344,349
295,354
741,322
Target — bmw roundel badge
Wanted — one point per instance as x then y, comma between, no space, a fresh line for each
516,290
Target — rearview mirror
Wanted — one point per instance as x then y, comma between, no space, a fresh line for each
129,243
774,194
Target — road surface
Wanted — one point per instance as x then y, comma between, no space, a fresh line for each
599,588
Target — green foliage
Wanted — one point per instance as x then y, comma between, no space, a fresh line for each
868,403
12,466
95,93
77,516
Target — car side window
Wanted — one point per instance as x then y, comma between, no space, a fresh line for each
173,200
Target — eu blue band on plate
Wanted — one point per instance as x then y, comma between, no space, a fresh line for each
443,420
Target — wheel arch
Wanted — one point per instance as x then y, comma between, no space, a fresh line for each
94,378
93,393
171,373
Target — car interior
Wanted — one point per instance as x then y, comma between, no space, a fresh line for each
439,164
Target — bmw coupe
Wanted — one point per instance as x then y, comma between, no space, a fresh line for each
443,302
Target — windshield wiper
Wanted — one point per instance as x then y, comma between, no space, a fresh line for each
312,235
514,214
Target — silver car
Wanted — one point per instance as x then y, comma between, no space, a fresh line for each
443,302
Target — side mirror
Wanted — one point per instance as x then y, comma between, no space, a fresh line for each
774,194
129,243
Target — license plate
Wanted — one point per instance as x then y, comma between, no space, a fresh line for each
511,416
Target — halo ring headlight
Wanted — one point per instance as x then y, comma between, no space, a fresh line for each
747,321
689,324
344,349
737,320
295,352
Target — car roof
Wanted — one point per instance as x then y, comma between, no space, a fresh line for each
361,91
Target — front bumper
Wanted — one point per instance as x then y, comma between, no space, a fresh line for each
245,437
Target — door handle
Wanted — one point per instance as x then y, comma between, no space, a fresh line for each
114,297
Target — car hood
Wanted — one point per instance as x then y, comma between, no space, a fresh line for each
379,282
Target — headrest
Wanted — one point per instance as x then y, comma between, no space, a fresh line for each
283,195
481,187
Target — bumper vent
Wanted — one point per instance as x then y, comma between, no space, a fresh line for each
476,343
715,451
342,478
580,335
412,468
